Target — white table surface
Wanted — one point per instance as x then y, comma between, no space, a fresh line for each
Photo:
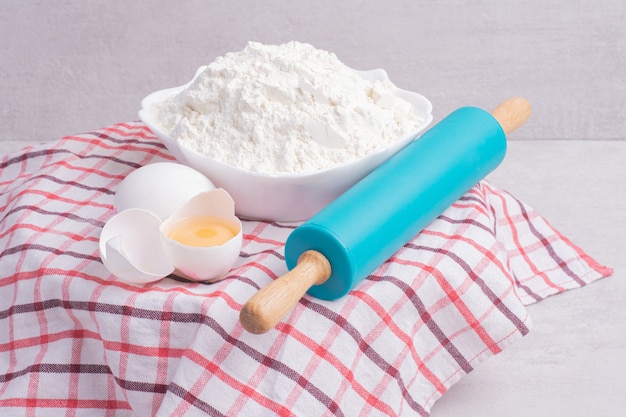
573,361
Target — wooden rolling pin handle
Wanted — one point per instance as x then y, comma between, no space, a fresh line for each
271,304
512,113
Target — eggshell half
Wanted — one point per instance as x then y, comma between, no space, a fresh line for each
130,247
204,263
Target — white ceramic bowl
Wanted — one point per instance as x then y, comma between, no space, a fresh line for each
282,197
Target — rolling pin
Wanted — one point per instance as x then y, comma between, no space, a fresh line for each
348,239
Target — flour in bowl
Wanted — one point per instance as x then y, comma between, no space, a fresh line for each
287,108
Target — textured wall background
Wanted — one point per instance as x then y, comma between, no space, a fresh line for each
72,66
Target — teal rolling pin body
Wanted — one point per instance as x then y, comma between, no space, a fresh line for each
347,240
367,224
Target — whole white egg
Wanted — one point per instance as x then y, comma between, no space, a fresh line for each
160,188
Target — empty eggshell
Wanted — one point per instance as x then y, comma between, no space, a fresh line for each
160,188
130,247
204,263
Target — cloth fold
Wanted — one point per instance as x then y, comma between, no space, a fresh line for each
73,339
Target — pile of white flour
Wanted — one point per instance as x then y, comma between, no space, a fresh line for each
287,108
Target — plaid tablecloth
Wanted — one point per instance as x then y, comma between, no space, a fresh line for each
75,341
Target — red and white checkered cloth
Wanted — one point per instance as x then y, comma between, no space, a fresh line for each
75,341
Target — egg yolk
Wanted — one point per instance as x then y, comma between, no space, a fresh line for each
203,231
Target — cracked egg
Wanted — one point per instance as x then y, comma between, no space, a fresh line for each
170,219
